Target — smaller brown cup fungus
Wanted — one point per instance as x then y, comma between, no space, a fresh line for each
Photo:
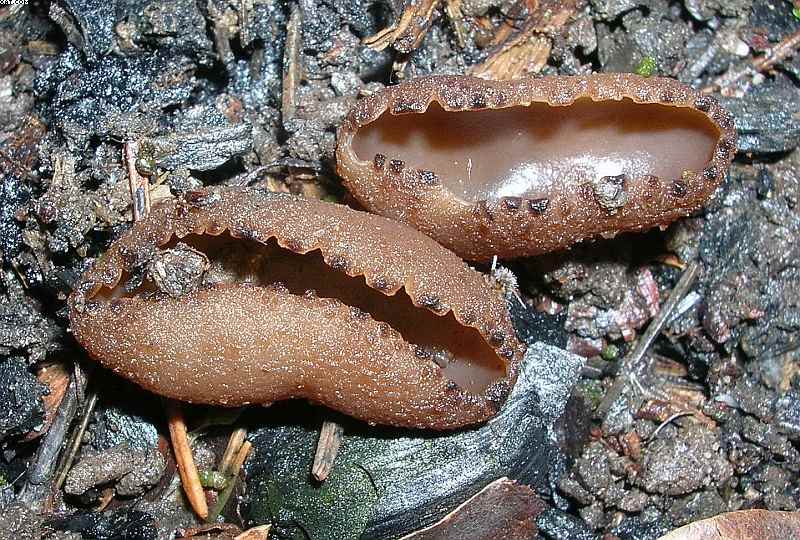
519,168
294,298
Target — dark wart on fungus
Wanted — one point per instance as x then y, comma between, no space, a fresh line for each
519,168
283,297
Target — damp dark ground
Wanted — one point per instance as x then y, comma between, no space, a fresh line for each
250,92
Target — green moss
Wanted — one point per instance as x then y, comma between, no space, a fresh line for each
610,352
337,509
592,391
647,66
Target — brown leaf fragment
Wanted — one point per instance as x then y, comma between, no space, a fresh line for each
503,509
217,531
256,533
408,32
56,376
741,525
524,52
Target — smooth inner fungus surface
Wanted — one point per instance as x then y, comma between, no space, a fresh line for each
525,151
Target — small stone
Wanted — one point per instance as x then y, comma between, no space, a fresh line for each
683,464
633,501
177,271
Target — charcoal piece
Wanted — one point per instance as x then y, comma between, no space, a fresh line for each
766,120
127,523
21,407
787,414
13,194
18,156
204,139
128,422
177,25
23,329
115,96
775,17
749,249
131,469
421,477
95,19
533,325
611,9
558,524
656,36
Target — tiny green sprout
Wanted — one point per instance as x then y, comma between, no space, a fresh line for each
213,480
610,352
647,66
796,12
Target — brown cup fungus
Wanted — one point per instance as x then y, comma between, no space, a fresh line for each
239,296
519,168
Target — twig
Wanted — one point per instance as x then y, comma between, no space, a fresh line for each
634,363
782,50
408,31
139,185
669,421
75,441
330,438
234,445
190,479
291,63
241,457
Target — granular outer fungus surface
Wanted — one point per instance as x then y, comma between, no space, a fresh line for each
294,298
529,166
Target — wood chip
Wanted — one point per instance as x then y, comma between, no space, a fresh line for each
520,53
407,33
330,438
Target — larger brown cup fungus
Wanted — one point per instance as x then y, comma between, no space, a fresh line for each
519,168
296,298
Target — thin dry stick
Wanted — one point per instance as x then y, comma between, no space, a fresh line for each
234,445
291,63
75,442
138,184
773,56
330,438
241,457
634,363
183,456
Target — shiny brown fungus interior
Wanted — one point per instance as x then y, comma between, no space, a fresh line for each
528,151
461,352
